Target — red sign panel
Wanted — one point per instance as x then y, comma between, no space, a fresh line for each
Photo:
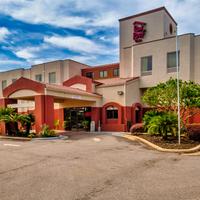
138,31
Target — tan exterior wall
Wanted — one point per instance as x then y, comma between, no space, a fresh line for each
158,50
132,92
9,76
75,68
110,94
157,27
197,59
64,69
72,68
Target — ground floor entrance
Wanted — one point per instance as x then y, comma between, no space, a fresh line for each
77,119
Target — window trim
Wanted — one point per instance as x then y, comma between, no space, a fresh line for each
117,72
103,72
36,77
112,109
148,72
173,69
50,82
92,73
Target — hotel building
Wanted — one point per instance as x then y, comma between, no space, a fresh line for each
109,95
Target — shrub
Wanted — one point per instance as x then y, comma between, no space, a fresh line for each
56,123
148,117
27,121
47,132
193,131
86,124
161,123
32,135
137,128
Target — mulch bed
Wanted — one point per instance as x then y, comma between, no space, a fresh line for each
171,143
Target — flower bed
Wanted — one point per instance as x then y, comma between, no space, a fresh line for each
171,143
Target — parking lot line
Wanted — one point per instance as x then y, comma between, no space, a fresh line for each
12,145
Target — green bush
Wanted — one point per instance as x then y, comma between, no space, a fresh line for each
161,123
148,117
86,124
47,132
27,121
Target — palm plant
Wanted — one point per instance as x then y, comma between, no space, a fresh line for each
163,124
26,120
11,118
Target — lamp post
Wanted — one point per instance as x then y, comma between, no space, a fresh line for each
178,87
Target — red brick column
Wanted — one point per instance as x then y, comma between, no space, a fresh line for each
59,115
44,111
128,115
3,104
96,116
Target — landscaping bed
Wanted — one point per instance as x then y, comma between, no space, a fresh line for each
171,143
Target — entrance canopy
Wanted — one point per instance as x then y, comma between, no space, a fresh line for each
66,96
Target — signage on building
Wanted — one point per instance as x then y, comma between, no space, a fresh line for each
138,31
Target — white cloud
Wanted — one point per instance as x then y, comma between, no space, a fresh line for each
90,31
27,53
84,59
77,44
104,13
41,12
4,32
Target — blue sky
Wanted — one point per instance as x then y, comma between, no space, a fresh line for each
37,31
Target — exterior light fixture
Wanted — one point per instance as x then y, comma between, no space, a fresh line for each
120,92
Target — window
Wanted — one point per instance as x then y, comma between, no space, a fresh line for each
116,72
146,65
13,80
52,77
171,61
4,84
38,77
112,112
103,74
89,74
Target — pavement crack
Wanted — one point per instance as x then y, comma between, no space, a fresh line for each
24,166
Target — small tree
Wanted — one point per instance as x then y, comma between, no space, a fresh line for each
11,118
164,98
27,121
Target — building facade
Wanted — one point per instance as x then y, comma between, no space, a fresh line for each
109,95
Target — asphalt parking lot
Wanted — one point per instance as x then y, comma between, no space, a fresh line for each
99,167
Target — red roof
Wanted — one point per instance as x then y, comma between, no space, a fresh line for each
115,81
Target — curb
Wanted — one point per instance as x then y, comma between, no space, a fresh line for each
136,138
52,138
15,138
32,139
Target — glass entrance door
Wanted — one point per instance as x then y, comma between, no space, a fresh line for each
75,117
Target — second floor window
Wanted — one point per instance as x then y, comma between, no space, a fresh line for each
171,61
146,65
38,77
89,74
116,72
52,77
103,74
4,84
